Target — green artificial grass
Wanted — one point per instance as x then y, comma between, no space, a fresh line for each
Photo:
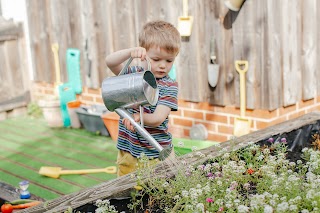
27,144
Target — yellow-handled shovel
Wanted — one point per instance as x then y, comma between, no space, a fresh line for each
55,172
242,124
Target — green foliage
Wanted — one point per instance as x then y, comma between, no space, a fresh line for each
34,110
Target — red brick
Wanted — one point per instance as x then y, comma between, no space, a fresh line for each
216,118
87,98
303,104
182,103
313,109
94,91
205,106
209,126
225,129
227,109
285,110
295,115
176,113
258,113
182,122
99,100
265,124
217,138
193,114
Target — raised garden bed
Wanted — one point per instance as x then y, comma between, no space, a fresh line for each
297,132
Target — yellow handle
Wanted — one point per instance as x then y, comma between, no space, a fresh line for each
55,50
239,63
110,169
242,85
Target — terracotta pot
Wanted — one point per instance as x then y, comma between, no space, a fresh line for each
234,5
111,121
74,118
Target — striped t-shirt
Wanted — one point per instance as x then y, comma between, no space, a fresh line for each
133,142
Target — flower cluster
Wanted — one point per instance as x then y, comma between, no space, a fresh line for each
254,179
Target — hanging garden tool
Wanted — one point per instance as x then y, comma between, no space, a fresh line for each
55,172
213,67
185,22
55,51
242,124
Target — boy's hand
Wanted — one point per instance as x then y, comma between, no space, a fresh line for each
139,52
128,124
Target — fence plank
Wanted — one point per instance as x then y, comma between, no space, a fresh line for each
309,47
291,65
271,68
318,47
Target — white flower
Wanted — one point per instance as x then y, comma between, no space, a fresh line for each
185,193
194,148
293,208
282,207
226,155
260,157
165,184
180,144
268,209
266,151
200,207
243,209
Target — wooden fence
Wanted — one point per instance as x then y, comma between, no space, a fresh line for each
280,39
14,79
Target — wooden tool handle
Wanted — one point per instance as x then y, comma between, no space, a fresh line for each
55,50
242,85
239,63
110,169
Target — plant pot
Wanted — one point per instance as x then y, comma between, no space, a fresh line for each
233,5
74,118
90,118
51,111
111,121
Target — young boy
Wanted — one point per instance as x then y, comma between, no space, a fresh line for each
160,42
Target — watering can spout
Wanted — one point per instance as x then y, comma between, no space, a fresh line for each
164,152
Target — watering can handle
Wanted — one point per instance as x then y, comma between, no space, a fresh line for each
128,63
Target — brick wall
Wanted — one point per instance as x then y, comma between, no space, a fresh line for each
218,120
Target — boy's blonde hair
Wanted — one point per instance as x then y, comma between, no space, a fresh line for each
160,34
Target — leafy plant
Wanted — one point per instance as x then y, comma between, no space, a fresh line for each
34,110
254,179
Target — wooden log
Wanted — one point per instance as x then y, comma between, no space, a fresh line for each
122,186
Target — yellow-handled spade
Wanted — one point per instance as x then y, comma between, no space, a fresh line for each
55,172
242,124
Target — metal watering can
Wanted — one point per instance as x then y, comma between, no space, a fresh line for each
131,91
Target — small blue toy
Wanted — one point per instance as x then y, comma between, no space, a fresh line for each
24,193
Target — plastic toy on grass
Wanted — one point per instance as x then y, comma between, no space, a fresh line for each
24,193
55,172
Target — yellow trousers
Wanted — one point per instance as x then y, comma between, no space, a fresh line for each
128,163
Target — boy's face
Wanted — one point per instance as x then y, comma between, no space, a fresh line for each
161,61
